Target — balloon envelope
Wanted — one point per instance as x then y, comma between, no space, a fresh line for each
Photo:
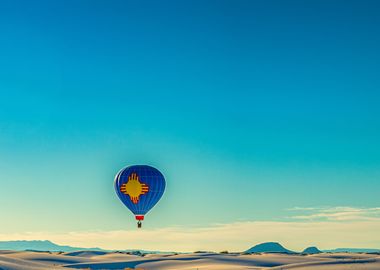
139,187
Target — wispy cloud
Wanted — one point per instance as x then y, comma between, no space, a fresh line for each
296,208
341,213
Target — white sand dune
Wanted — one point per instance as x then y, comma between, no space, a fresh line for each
340,264
27,260
12,261
85,253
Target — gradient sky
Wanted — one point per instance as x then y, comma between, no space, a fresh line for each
248,108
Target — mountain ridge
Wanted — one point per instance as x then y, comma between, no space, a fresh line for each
353,250
274,247
40,245
46,245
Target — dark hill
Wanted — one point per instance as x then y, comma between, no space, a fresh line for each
311,250
269,247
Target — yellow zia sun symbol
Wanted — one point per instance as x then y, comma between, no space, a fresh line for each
134,188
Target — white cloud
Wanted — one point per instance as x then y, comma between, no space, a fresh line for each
296,208
341,213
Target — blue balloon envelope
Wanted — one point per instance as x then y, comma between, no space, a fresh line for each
139,187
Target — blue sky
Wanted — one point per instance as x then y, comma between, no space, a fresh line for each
248,108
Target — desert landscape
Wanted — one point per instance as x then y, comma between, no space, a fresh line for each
269,255
31,260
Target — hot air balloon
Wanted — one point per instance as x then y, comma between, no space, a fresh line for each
139,187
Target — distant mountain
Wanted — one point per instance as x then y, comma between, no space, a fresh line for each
269,247
45,245
38,245
354,250
311,250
